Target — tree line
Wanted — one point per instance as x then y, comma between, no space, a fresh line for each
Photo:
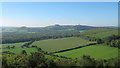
73,48
112,41
14,37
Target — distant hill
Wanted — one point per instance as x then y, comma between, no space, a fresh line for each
112,27
61,28
23,34
55,27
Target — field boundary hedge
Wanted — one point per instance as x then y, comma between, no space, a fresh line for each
73,48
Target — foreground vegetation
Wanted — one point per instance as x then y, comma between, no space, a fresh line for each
39,60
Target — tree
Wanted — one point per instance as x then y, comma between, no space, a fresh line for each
35,59
39,49
87,61
8,47
112,41
99,41
13,47
24,52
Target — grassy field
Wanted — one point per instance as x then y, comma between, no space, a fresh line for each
52,45
17,45
105,34
19,50
95,51
100,33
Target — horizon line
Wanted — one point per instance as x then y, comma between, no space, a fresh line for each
63,25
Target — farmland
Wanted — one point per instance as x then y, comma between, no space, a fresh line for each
19,50
52,45
95,51
17,45
63,49
100,33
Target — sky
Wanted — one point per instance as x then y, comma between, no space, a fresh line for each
59,0
40,14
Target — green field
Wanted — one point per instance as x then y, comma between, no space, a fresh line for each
105,34
52,45
95,51
17,45
19,50
100,33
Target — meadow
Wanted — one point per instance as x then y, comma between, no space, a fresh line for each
95,51
17,45
19,50
52,45
100,33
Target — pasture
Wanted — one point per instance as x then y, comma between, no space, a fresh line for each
17,45
95,51
52,45
100,33
19,50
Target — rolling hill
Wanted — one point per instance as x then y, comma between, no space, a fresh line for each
99,33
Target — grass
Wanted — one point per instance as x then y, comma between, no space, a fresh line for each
95,51
100,33
19,50
105,34
17,45
52,45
